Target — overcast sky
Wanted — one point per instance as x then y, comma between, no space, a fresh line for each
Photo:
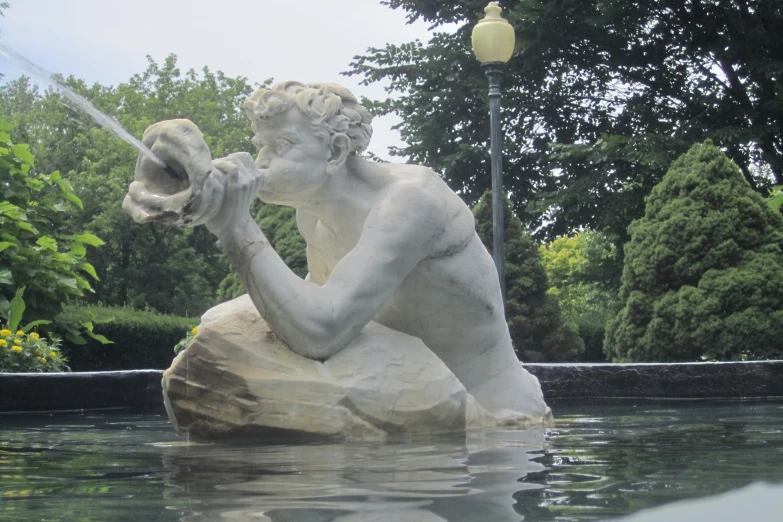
106,41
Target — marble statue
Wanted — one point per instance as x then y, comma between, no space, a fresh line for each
399,325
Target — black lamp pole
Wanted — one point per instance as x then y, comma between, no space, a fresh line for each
494,70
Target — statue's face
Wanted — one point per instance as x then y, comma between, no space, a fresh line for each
294,155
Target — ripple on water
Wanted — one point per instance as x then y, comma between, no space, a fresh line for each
607,462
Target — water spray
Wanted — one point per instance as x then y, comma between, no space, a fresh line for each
78,102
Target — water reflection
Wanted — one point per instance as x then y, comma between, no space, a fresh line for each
644,455
599,462
471,477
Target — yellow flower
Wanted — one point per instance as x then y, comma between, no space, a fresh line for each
3,343
33,336
20,333
194,331
17,342
52,355
5,333
41,360
17,349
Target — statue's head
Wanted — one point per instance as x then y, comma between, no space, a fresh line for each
303,131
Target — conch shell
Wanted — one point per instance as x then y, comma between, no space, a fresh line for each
181,193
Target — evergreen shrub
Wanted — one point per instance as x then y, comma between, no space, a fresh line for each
537,327
703,274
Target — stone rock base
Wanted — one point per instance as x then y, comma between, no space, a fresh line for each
236,379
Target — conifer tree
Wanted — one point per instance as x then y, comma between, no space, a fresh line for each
703,274
537,328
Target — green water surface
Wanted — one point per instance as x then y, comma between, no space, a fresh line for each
599,462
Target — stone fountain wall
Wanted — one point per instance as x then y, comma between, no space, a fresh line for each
596,382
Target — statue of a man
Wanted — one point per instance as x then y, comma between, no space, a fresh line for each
385,242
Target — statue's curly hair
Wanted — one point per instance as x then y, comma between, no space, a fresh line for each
329,107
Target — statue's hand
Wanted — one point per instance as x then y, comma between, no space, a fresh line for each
241,181
183,193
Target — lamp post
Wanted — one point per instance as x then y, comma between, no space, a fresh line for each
493,42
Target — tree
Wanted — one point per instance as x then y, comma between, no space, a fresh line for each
775,200
42,263
576,268
703,275
150,266
599,99
537,328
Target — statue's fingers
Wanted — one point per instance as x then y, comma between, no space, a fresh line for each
245,159
254,178
226,166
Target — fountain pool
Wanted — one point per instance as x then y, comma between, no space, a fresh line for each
620,457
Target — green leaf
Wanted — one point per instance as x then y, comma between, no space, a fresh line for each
5,306
6,277
73,198
75,339
98,337
64,184
16,311
5,244
24,225
22,151
68,281
78,250
29,326
47,242
87,267
775,200
90,239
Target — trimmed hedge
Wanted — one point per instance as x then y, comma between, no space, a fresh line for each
142,340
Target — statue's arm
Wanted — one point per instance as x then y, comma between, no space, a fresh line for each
318,321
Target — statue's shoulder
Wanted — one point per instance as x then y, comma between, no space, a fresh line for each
429,203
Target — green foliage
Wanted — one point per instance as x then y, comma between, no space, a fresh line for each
29,352
185,341
142,340
37,255
775,199
151,266
16,312
598,100
703,275
537,328
591,326
574,265
279,226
